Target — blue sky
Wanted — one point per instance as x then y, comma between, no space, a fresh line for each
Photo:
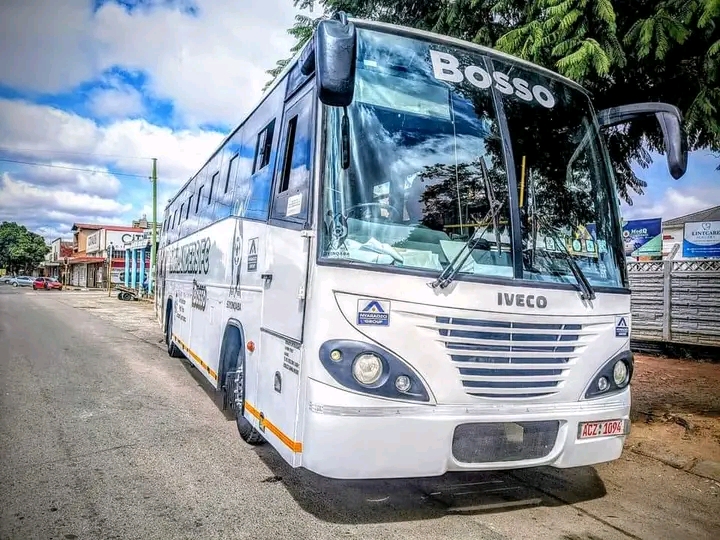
107,84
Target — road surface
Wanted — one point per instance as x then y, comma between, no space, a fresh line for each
102,435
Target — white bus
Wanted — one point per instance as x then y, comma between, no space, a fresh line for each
408,260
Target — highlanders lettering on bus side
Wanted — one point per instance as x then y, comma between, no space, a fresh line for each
522,300
192,258
447,68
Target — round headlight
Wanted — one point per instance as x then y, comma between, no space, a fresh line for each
620,373
335,355
367,368
603,384
403,383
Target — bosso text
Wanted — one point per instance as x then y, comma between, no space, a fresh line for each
447,68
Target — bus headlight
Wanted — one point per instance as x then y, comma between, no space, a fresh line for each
371,369
612,377
367,369
620,373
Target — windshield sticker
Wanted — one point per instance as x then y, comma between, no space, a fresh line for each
373,312
294,204
336,230
447,68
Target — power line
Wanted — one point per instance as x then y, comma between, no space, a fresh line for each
94,171
47,151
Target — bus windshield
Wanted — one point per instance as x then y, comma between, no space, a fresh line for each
432,128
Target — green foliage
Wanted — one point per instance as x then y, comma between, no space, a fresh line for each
20,249
622,52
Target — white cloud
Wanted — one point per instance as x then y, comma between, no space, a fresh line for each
675,203
51,212
96,181
121,102
38,130
212,66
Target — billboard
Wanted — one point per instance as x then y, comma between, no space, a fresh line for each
701,239
642,237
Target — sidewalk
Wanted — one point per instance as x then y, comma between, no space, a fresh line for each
136,317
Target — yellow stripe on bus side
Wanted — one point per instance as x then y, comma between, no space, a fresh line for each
195,357
295,446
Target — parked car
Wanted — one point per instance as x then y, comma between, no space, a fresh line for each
22,281
6,278
46,283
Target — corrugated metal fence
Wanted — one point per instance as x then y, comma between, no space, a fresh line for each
676,301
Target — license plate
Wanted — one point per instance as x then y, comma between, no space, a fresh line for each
606,428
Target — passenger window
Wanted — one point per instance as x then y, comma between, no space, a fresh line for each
232,169
264,146
187,214
182,209
292,193
212,187
197,203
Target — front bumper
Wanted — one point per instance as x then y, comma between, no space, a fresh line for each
349,436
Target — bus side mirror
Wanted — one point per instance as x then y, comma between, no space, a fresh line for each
670,120
332,55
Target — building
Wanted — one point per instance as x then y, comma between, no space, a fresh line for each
92,246
673,231
54,264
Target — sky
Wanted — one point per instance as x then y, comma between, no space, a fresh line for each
104,85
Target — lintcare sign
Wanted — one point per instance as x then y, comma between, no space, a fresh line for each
702,239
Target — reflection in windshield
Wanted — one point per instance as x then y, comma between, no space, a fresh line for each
427,163
416,189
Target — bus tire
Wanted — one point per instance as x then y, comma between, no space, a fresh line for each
172,349
236,387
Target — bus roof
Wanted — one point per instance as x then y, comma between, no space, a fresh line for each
389,28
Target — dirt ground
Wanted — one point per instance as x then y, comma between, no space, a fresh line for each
676,409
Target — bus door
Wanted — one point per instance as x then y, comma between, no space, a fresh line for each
284,275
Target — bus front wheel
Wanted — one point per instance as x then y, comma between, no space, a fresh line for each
236,387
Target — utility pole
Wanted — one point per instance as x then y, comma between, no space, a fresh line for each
153,250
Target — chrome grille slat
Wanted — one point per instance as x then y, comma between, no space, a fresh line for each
508,354
512,359
586,331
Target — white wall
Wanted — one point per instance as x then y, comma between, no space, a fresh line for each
676,238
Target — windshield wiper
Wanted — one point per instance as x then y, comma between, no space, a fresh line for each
475,241
586,290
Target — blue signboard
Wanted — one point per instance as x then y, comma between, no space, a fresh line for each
639,232
702,239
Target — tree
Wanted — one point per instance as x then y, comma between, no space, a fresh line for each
622,52
20,249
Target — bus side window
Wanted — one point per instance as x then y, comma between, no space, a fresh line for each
292,180
263,147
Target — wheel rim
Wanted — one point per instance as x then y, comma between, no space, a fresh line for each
237,397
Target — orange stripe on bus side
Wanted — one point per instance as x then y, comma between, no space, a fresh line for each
287,441
195,357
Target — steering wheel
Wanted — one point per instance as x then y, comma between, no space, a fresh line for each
375,204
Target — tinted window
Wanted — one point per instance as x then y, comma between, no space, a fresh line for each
264,146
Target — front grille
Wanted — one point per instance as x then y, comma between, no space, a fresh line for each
504,441
509,359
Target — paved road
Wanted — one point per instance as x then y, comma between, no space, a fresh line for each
102,435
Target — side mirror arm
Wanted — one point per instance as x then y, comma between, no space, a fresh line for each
670,119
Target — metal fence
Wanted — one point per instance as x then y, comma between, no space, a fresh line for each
676,301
